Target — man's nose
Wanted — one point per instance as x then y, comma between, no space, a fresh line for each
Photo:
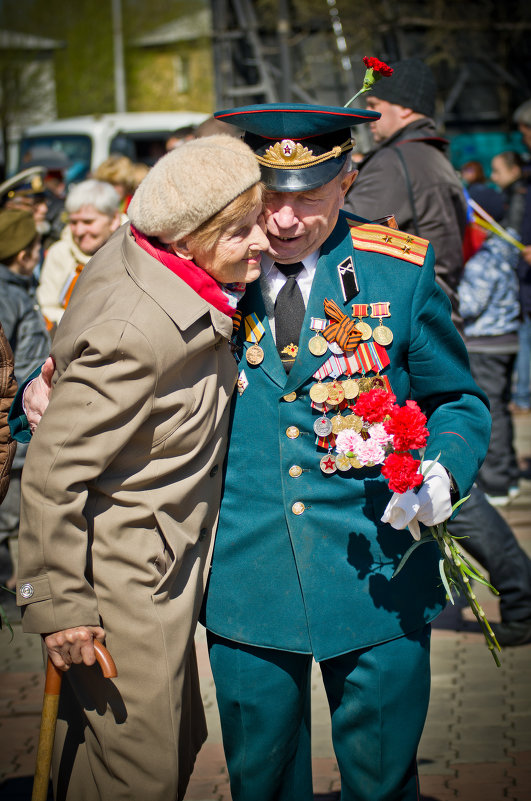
285,216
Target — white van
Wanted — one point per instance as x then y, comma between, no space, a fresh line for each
87,141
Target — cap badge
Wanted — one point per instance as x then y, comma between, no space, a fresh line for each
290,155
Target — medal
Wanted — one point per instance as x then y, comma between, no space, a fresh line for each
322,426
319,392
334,348
360,310
254,355
254,331
381,334
355,462
338,423
354,422
318,344
328,464
350,388
335,393
343,462
364,384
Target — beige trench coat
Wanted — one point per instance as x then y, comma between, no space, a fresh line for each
120,500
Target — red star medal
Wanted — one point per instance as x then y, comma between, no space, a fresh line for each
328,464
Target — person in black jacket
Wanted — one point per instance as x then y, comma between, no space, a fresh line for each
408,174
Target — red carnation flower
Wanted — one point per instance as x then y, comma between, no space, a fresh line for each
374,405
401,469
407,424
378,66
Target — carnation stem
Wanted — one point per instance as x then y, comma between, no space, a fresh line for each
458,571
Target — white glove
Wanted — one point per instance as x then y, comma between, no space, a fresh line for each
430,505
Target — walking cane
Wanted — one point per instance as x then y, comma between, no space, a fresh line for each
50,706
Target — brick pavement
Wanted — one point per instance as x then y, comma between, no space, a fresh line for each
476,744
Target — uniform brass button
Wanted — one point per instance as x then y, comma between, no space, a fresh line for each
292,432
295,470
298,508
26,590
290,397
214,471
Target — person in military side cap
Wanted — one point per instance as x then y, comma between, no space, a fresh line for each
305,554
26,333
303,562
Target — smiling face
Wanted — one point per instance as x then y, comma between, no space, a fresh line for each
299,222
91,229
237,254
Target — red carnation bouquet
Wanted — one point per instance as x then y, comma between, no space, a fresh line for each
386,435
375,70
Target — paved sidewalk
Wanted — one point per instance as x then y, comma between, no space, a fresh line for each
477,741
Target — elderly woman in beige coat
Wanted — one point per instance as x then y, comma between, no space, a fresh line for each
123,476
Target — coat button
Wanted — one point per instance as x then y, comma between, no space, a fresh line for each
26,590
298,508
202,534
214,471
292,432
295,470
290,397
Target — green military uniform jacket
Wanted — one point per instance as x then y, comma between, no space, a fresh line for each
321,581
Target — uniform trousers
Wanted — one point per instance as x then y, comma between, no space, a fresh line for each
378,699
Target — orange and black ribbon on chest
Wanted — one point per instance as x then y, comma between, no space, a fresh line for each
343,328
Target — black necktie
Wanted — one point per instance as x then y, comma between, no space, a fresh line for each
289,314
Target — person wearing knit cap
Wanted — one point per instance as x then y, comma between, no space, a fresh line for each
304,555
408,173
26,333
123,478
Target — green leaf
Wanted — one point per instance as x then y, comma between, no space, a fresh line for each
457,504
445,581
412,547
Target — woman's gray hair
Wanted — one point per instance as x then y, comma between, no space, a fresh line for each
99,194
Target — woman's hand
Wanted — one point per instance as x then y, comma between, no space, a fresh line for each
37,394
73,646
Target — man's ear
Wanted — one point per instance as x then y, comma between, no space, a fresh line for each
347,181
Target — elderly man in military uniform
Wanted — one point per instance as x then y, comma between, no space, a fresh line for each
303,564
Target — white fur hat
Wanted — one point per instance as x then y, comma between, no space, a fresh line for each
190,184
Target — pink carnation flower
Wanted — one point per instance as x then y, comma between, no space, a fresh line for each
370,452
348,441
378,434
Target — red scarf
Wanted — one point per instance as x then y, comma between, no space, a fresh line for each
196,278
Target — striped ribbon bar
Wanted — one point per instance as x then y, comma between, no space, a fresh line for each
254,330
380,309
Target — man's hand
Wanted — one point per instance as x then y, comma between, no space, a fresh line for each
37,394
73,646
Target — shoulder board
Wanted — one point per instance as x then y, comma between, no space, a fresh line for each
388,241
